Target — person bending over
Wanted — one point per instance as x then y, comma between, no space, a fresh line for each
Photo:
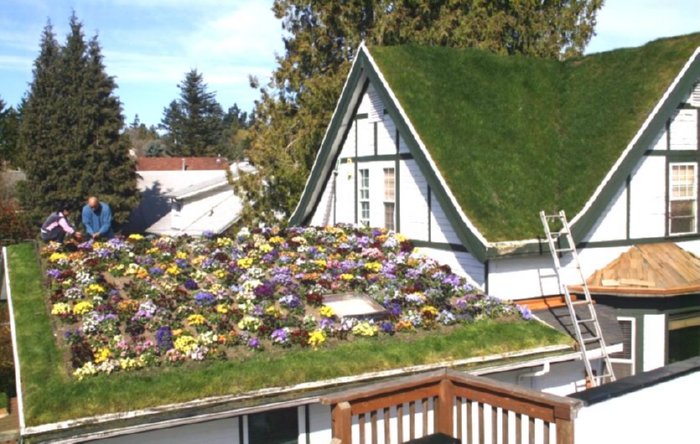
97,218
56,226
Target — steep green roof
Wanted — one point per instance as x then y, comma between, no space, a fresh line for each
516,135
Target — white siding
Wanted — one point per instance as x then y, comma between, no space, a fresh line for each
323,215
613,223
349,144
370,103
661,141
376,190
403,148
648,198
345,193
692,246
441,229
684,130
414,201
219,431
654,354
528,277
386,136
365,137
319,424
461,263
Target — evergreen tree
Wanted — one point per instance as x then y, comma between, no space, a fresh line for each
194,122
321,39
9,135
72,138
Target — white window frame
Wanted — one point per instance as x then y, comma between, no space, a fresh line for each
693,198
390,198
363,196
633,344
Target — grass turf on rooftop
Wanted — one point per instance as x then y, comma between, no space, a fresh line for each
516,135
50,393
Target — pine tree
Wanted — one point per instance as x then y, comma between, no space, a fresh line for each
194,122
321,39
9,134
72,138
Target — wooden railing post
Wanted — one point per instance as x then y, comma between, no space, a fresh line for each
565,431
341,422
445,410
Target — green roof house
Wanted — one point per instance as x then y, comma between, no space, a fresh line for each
460,149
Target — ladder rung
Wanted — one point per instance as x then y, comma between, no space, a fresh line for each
563,250
580,302
592,339
583,321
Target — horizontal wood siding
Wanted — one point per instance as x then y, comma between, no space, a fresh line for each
684,130
403,148
323,215
386,136
441,229
460,262
348,149
613,223
365,138
526,277
414,201
648,198
661,141
345,192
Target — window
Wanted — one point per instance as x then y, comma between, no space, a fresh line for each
389,198
682,206
364,197
623,362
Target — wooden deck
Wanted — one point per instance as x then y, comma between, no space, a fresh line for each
469,408
9,425
655,270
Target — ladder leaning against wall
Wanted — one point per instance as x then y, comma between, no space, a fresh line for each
589,318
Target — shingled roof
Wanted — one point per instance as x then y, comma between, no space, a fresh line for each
513,135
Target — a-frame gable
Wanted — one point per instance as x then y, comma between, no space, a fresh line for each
585,220
364,71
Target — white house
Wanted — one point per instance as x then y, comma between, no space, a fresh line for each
186,195
459,150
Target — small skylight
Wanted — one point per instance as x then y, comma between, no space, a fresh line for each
350,305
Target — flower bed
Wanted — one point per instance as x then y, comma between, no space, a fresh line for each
133,303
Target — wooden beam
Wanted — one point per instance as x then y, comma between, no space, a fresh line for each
445,409
565,431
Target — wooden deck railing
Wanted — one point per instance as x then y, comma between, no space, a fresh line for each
470,408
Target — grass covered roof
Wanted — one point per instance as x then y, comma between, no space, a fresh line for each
515,135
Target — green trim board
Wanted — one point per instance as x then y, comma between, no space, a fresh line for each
440,246
469,236
377,158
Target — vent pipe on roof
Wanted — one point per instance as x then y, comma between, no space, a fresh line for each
184,165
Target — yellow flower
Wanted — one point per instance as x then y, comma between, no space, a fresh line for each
220,274
365,329
196,319
266,248
135,237
181,255
153,250
102,355
224,242
55,257
82,307
222,308
429,311
94,290
273,311
316,338
60,308
326,312
373,267
346,276
276,240
185,344
245,262
173,270
320,263
250,323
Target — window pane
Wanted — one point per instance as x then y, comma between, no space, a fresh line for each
275,427
389,216
685,225
389,184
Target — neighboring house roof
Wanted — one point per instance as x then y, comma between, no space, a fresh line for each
651,270
199,188
180,163
500,138
559,318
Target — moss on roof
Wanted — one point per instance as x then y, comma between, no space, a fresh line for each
516,135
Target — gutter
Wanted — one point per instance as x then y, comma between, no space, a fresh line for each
15,349
328,383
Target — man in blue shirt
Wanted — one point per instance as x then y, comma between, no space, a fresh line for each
97,218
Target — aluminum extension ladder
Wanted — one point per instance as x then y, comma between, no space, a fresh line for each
590,319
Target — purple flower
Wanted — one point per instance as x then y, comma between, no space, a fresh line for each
290,301
204,298
393,308
191,284
53,273
208,234
525,312
182,263
326,323
387,327
164,338
280,336
254,343
265,290
452,280
155,271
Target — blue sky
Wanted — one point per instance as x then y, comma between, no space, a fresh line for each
149,44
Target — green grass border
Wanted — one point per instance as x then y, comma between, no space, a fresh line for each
50,394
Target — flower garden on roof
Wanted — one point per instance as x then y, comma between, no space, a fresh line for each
127,304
